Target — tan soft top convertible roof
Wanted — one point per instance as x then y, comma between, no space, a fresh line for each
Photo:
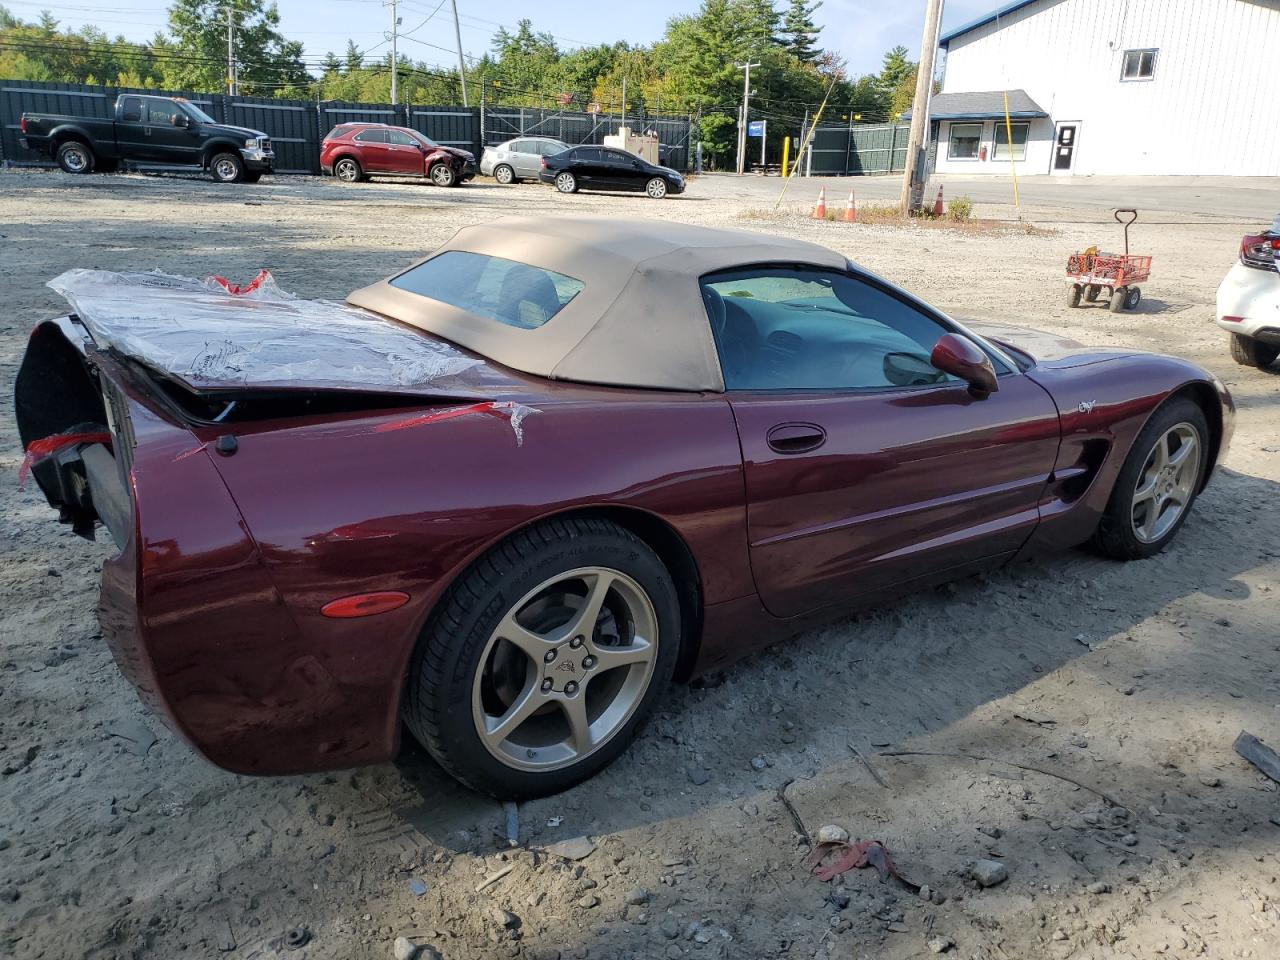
638,322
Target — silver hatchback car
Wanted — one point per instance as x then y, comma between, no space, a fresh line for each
519,159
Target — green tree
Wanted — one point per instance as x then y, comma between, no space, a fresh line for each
267,63
800,30
897,82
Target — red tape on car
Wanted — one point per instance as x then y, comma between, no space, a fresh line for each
239,290
37,450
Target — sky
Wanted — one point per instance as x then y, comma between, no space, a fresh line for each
860,30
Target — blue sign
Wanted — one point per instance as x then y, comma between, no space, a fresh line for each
755,128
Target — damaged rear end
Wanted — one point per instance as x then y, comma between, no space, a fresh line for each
122,438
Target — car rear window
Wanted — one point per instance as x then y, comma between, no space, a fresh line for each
516,294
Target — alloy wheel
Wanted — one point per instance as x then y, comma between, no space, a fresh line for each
225,169
347,171
565,669
1166,483
656,188
566,182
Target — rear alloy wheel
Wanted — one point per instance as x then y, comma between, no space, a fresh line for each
1249,352
75,157
442,175
656,188
544,659
1157,484
348,170
566,182
226,168
504,174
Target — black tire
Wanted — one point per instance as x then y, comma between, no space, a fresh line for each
1115,536
74,156
438,699
505,174
226,167
1118,297
656,188
348,170
566,182
1091,292
443,175
1074,293
1249,352
1133,298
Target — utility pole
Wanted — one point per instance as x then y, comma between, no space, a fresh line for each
742,119
395,33
462,67
624,101
231,50
913,191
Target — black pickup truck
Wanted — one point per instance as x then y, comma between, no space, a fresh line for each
163,131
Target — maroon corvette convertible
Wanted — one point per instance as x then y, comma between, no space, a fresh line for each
507,495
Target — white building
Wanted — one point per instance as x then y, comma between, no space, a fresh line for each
1129,87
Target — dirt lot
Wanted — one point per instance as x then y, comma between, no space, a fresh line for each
1080,677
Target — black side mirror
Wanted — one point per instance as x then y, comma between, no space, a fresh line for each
181,120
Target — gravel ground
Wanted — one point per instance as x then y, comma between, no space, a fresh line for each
1025,697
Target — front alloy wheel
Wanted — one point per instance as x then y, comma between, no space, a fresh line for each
656,188
442,175
1166,483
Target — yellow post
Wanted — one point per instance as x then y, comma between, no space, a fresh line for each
786,154
1013,166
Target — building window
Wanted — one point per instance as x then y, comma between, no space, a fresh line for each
1139,65
964,142
1019,136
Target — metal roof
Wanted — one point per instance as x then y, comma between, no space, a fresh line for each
982,21
981,105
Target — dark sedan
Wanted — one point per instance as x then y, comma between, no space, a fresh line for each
604,168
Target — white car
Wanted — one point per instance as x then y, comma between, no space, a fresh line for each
519,159
1249,300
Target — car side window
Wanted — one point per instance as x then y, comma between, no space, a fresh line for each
131,110
400,139
591,154
161,112
519,146
549,148
788,328
371,136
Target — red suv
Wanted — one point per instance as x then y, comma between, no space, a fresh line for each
356,151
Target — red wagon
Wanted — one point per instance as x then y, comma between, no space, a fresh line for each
1091,272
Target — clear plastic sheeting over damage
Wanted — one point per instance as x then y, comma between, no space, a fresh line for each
209,338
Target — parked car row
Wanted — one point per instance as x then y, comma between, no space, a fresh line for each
173,132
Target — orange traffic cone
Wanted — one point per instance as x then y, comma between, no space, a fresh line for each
850,211
937,204
820,211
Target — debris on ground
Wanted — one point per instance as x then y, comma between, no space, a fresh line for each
988,873
1259,754
575,848
845,856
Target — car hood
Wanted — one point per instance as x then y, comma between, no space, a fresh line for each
457,152
240,133
1045,349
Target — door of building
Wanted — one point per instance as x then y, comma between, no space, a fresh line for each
1064,147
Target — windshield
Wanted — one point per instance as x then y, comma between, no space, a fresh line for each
197,113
